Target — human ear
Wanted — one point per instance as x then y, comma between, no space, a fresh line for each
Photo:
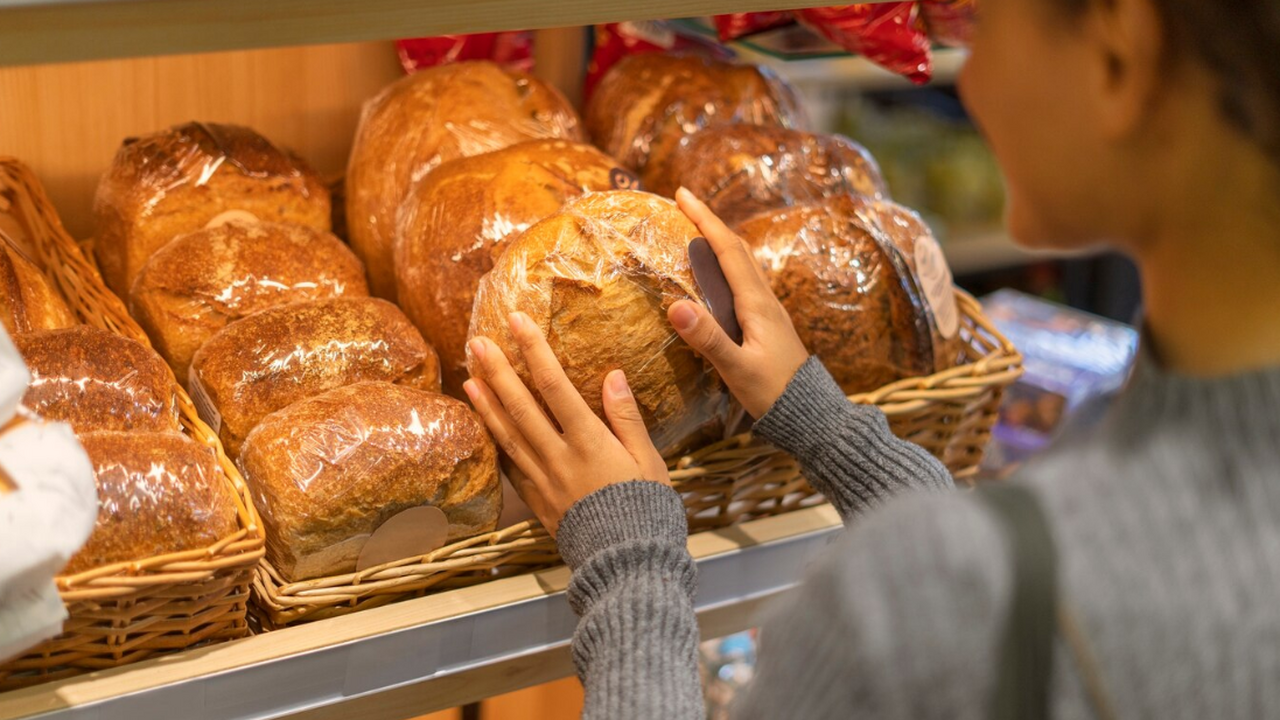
1130,63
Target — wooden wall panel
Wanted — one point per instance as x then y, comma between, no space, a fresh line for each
67,120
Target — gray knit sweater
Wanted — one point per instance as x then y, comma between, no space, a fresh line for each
1167,519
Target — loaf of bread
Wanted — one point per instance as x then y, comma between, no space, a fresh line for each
326,472
597,278
28,301
178,180
850,291
158,493
430,117
743,170
274,358
204,280
645,104
96,380
452,225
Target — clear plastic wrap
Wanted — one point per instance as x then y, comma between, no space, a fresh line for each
433,116
203,281
743,170
274,358
28,301
328,471
158,493
178,180
889,34
646,104
453,223
510,48
597,278
96,380
615,41
848,284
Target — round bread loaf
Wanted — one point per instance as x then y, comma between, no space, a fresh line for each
850,291
202,281
158,493
453,223
177,180
597,278
28,301
274,358
428,118
326,472
96,380
743,170
645,104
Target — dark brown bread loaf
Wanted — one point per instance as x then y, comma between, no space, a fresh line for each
177,180
158,493
274,358
428,118
646,104
204,280
743,170
326,472
597,278
96,380
453,224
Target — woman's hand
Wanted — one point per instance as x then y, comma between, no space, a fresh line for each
555,468
757,372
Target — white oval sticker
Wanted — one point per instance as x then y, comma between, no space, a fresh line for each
938,285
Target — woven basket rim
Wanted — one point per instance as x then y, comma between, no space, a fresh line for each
77,280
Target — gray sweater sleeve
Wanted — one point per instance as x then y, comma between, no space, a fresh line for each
846,451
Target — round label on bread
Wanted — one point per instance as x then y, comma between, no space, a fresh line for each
623,179
936,280
410,533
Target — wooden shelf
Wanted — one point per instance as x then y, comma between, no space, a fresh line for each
422,655
42,31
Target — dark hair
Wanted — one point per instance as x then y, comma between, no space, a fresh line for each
1239,42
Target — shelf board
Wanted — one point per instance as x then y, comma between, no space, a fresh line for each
414,657
43,31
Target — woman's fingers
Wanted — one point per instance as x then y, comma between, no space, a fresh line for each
628,425
510,394
700,330
548,377
740,267
504,430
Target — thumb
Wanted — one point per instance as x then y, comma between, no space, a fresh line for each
696,326
628,425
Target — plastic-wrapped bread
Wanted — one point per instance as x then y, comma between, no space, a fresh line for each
743,170
176,181
647,103
597,278
96,380
328,471
28,301
453,223
850,291
203,281
274,358
158,493
430,117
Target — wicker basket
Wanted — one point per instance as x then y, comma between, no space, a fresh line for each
950,414
125,612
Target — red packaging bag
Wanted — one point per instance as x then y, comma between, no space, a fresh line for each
614,41
513,49
740,25
950,22
891,35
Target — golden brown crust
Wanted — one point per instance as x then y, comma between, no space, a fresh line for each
428,118
743,170
598,277
158,493
851,294
645,104
274,358
28,301
328,471
97,380
453,223
177,180
202,281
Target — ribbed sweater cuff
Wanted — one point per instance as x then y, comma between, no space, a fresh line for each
637,510
803,417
